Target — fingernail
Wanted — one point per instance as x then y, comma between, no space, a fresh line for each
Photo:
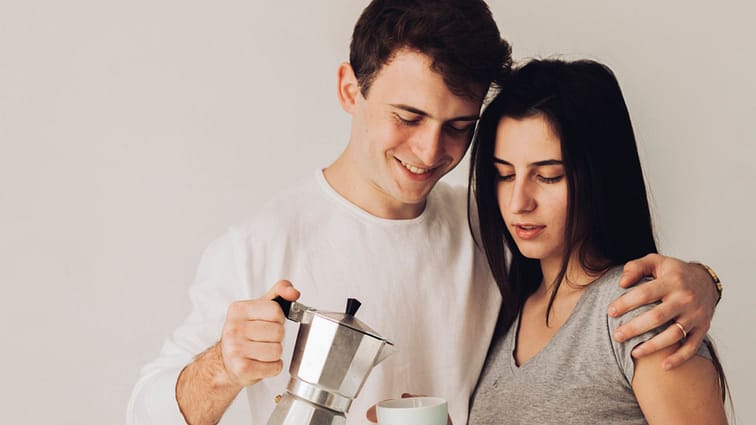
619,336
612,311
637,352
667,365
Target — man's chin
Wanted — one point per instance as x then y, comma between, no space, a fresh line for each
414,197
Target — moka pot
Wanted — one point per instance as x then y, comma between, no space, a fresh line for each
333,356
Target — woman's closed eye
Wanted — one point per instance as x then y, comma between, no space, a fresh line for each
550,180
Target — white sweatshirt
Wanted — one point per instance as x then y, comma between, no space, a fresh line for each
422,282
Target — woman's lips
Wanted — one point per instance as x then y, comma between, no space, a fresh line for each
528,231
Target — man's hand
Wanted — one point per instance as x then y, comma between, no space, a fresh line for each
687,296
249,351
251,340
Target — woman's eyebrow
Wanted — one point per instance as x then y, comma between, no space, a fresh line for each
532,164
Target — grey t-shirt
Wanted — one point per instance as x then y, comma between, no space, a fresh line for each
582,376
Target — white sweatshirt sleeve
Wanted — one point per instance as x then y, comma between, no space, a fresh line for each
218,283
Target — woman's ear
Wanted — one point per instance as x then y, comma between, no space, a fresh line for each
349,87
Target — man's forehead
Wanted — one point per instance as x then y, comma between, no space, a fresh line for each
409,76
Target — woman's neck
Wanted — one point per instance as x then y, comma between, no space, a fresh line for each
576,277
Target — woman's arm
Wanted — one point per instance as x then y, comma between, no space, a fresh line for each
689,394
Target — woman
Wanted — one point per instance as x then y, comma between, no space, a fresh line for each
556,177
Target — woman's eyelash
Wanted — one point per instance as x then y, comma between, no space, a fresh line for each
550,179
544,179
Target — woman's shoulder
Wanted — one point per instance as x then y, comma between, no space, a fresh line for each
606,287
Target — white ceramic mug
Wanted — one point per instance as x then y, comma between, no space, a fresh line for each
412,411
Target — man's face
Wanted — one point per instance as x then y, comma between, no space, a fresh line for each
407,133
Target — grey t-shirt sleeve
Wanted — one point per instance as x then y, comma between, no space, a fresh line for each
623,350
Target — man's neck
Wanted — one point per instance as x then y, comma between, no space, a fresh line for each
367,196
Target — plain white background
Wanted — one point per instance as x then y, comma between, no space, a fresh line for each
133,133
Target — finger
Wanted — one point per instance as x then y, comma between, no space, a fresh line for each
370,415
252,371
664,339
262,331
263,351
251,350
686,350
637,269
649,320
260,309
284,289
643,294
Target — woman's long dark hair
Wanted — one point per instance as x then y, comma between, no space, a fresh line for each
608,219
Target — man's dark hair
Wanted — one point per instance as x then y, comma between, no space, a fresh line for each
460,37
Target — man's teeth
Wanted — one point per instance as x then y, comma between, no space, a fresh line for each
415,170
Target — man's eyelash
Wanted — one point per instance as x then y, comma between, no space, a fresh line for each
404,121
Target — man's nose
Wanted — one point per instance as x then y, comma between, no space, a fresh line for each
428,145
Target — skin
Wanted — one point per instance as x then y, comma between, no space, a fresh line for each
536,194
688,296
407,132
532,193
248,352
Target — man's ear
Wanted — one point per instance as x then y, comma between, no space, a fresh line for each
349,87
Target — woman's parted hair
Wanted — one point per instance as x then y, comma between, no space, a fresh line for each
608,218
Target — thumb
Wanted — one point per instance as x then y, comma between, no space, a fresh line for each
371,415
283,289
637,269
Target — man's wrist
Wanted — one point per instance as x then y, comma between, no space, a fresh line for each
204,389
714,278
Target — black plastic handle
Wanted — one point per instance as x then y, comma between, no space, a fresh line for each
352,306
285,305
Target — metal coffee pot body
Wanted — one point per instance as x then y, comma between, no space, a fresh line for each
333,356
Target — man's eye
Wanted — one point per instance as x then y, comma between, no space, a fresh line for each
459,130
405,121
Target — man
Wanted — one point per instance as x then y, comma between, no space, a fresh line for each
376,226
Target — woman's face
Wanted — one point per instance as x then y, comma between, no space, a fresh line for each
532,186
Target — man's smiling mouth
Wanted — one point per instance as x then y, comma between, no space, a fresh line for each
415,170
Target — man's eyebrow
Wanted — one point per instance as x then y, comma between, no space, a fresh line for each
416,111
532,164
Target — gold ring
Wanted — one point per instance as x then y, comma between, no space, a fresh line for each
682,329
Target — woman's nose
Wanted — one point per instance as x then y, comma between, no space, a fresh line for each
522,200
